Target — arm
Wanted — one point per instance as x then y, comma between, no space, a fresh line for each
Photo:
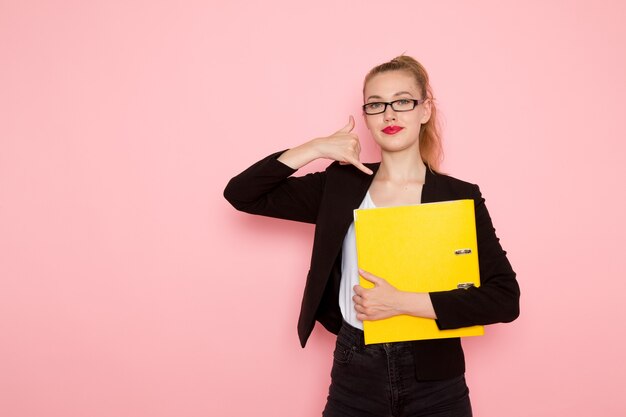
267,188
496,300
384,300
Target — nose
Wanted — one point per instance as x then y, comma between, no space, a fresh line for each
389,113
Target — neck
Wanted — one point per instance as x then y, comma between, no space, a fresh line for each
402,167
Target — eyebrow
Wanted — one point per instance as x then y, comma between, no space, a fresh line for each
399,93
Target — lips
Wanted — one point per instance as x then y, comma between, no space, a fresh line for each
392,130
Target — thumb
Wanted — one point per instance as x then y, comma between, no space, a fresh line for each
370,277
347,128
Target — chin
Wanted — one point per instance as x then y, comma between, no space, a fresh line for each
395,146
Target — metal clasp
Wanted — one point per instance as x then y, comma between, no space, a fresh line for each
465,285
462,251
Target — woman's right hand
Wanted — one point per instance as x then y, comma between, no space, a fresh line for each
342,146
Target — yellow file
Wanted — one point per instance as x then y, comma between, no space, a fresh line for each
419,248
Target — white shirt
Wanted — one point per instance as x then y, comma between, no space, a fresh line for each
350,271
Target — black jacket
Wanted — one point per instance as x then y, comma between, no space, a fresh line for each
328,199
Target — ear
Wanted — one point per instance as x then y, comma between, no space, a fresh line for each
427,111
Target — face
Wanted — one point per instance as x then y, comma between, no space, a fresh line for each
395,131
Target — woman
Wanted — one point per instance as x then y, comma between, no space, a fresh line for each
405,378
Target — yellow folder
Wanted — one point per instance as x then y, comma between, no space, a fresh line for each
419,248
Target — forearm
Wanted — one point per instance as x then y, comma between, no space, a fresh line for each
301,155
416,304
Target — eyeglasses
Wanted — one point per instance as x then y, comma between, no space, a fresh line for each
404,104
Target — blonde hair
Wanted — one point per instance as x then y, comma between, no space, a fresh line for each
430,146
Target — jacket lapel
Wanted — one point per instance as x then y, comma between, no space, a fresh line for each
429,191
345,189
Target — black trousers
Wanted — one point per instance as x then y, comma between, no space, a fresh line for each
379,380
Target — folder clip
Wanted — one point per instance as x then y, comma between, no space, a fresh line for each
465,285
462,251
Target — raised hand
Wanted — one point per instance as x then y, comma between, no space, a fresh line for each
342,146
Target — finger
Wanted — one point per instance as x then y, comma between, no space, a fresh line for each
358,290
347,128
365,316
360,166
358,300
370,277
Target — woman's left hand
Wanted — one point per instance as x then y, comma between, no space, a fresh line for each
376,303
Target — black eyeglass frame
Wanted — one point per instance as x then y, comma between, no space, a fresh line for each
391,103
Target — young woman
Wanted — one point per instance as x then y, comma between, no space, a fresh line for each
424,378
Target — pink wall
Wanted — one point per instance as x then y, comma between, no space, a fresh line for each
129,287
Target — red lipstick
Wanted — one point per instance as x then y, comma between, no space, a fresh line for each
392,130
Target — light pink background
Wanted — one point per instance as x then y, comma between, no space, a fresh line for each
128,285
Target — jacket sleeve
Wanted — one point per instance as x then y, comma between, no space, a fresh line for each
497,298
267,188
